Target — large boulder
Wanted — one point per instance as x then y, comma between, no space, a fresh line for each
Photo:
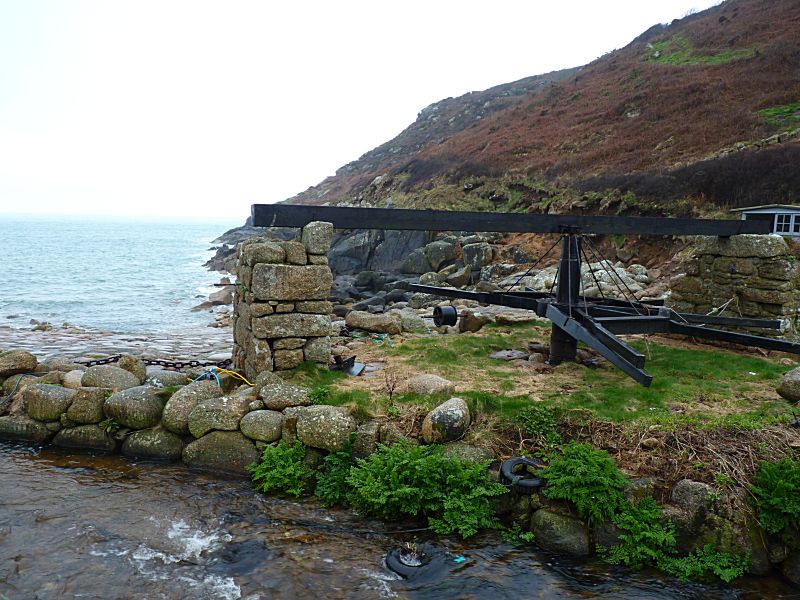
21,428
379,323
789,386
560,534
742,246
155,444
160,378
72,379
222,414
411,322
46,402
262,425
477,255
222,451
416,263
392,252
175,417
87,405
137,407
13,362
86,437
109,376
428,383
440,252
278,396
350,253
326,427
447,422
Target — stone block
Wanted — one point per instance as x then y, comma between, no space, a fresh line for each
291,325
262,252
291,282
261,309
317,307
742,246
318,350
317,259
287,359
284,308
295,253
317,236
245,275
288,344
783,269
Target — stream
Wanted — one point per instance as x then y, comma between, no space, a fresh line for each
107,527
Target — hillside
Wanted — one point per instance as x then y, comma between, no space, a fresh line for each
704,111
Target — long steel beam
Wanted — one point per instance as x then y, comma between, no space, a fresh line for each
348,217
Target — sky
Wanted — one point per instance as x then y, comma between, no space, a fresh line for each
200,108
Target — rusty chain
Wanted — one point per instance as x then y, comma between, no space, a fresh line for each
169,364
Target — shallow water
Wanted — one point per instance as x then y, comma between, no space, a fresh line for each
76,526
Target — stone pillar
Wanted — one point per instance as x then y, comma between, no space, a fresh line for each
281,307
757,272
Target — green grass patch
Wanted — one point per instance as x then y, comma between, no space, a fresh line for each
679,375
786,115
678,51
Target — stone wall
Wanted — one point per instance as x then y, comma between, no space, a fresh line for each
756,273
282,307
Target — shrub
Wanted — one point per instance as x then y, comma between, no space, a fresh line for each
588,478
645,539
540,422
405,480
281,470
706,561
777,494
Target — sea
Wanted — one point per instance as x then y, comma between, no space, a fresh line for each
127,275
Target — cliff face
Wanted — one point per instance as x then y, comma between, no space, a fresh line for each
706,109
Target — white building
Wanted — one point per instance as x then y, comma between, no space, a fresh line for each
784,218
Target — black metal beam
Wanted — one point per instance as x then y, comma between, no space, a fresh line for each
737,338
347,217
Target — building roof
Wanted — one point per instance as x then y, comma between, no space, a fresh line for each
768,206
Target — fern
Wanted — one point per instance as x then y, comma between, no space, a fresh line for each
777,494
332,486
705,561
645,539
589,479
281,470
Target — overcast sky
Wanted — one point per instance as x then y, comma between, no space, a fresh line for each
200,108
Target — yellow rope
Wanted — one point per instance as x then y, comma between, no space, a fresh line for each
233,374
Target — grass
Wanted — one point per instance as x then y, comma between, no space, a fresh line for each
786,115
679,51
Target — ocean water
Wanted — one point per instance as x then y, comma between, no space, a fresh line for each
115,274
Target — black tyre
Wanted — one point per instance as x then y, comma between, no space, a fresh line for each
418,563
522,474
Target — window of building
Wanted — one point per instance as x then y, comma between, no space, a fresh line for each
783,223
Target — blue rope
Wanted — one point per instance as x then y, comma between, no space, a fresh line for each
210,374
19,378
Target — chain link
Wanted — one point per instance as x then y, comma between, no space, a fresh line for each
169,364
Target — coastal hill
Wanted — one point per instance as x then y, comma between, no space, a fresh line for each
691,116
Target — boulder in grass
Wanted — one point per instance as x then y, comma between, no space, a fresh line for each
379,323
221,451
325,427
86,437
447,422
153,444
138,407
176,412
789,386
46,402
427,384
109,376
13,362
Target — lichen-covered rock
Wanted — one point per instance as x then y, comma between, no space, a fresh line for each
266,378
46,402
21,428
262,251
109,376
221,451
13,362
472,321
694,497
428,383
135,365
222,414
789,386
477,255
411,322
72,379
278,396
287,359
299,325
560,534
262,425
291,282
87,437
447,422
175,417
367,437
155,444
742,246
379,323
137,407
439,252
318,350
87,405
60,363
317,236
325,427
162,378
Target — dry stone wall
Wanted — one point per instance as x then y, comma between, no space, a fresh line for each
282,307
754,275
